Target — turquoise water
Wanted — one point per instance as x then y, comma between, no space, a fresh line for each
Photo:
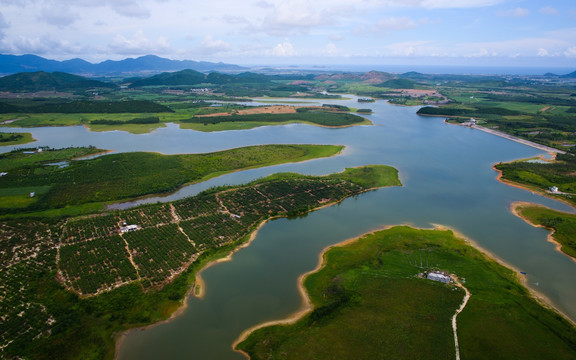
448,179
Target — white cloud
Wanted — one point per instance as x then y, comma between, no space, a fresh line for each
482,53
517,12
60,16
139,45
330,50
284,49
41,46
570,52
210,46
542,52
3,25
435,4
295,16
549,10
130,8
394,23
410,48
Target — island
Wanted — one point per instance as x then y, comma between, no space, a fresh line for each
406,293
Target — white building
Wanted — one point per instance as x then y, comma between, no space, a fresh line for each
438,276
128,228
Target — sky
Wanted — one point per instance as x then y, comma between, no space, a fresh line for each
293,32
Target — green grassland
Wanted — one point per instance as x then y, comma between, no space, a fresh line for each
370,303
98,293
321,118
122,176
15,138
563,224
541,176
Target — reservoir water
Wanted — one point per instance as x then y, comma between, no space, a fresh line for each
447,179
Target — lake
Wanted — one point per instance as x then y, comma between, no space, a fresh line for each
448,180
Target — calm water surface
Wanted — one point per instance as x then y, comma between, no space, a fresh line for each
447,177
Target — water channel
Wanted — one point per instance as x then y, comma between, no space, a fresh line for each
447,177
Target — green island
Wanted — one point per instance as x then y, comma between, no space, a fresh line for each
371,300
58,182
71,285
242,122
556,179
562,224
15,138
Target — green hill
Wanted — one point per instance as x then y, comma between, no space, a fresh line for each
43,81
184,77
192,77
398,84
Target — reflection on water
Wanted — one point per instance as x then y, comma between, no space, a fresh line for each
447,177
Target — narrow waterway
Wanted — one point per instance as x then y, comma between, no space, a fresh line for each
448,179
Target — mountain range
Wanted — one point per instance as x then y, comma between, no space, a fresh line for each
10,64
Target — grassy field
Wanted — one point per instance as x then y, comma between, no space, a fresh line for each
542,176
370,303
44,315
563,224
15,138
127,175
237,122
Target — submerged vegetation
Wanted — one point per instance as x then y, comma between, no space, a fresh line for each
52,269
370,302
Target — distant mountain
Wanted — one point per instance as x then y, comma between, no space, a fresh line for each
572,75
192,77
43,81
10,64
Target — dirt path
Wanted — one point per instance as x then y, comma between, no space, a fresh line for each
462,306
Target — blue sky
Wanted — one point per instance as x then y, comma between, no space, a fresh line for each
461,32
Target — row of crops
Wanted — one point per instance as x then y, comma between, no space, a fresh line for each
160,252
97,257
96,265
22,317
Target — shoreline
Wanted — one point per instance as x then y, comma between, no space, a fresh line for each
550,238
306,306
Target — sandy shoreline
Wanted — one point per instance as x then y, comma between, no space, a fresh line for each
306,306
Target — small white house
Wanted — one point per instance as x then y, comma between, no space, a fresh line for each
128,228
32,194
554,189
438,276
3,173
